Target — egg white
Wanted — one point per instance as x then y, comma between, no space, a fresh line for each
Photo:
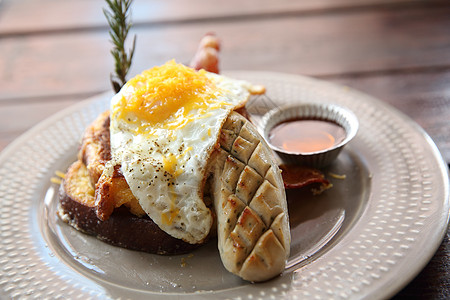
166,171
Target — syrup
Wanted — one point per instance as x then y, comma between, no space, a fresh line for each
306,135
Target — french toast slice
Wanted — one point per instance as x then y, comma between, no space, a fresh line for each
122,228
103,206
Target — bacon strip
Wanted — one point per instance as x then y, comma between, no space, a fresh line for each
295,176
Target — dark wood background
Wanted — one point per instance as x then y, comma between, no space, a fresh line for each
56,53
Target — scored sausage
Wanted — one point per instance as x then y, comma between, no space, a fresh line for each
250,203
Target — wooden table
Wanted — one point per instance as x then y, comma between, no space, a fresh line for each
56,53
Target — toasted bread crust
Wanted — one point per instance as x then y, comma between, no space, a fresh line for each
95,146
111,190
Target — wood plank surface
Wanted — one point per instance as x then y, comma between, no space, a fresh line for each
20,17
325,45
434,281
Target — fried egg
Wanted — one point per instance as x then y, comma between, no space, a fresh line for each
165,124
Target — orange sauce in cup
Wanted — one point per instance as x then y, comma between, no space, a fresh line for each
306,135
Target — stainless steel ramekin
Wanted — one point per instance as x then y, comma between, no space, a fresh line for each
318,111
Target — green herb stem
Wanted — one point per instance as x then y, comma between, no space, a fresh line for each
118,20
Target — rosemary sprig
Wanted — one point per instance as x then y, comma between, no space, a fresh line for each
119,26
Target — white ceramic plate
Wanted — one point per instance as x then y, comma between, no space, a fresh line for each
367,237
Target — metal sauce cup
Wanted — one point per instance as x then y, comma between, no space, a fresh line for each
311,111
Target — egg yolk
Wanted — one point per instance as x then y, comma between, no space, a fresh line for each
166,96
